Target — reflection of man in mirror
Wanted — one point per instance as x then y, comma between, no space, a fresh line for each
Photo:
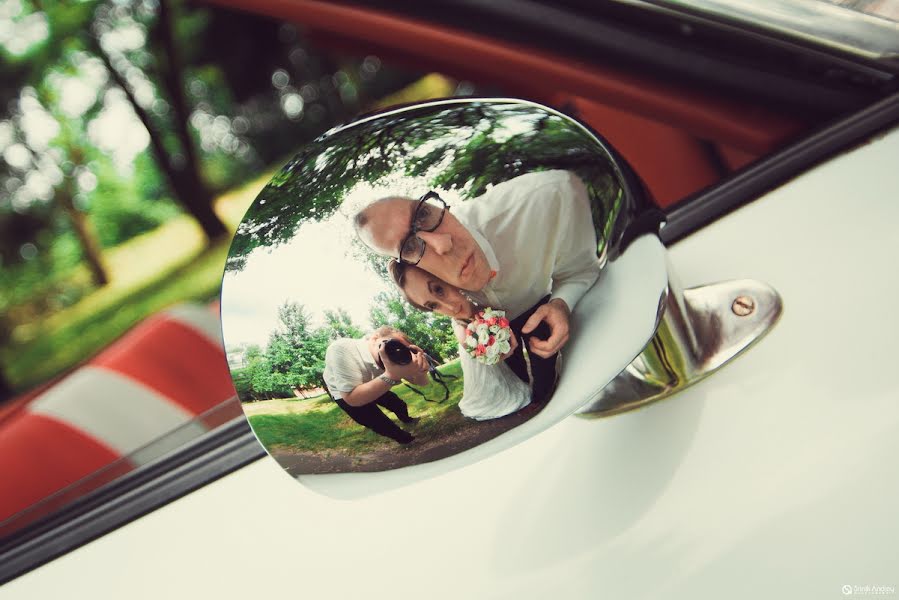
527,246
360,384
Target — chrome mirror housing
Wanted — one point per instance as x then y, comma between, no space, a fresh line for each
532,214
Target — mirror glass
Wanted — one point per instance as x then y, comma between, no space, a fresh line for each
503,213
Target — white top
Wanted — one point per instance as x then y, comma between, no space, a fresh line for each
348,363
537,233
490,391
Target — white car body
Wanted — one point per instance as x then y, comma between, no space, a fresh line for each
773,478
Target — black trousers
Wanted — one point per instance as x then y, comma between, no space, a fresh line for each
542,369
373,418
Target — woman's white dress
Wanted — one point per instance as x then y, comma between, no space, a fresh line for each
490,391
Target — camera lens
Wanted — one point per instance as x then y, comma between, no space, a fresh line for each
397,352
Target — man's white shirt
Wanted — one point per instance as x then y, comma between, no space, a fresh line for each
348,363
536,231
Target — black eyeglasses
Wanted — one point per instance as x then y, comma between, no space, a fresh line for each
428,216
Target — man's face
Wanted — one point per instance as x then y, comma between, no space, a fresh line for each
451,253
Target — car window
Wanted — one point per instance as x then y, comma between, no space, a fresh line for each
133,138
867,28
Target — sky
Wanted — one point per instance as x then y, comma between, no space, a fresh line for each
316,268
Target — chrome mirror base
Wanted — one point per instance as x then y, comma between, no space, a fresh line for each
700,330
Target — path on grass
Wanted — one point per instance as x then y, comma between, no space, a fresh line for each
425,448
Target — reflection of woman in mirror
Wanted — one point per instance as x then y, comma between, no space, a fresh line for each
526,246
490,391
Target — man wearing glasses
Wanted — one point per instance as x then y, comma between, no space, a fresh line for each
527,246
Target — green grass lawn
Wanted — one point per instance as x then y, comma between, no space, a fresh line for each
324,427
169,265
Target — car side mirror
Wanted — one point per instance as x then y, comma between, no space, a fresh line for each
483,205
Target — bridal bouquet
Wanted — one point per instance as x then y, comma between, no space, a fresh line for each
488,336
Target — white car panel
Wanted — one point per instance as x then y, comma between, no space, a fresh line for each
775,477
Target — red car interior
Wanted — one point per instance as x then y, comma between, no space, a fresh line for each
164,375
645,118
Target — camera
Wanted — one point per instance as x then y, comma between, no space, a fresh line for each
401,354
397,352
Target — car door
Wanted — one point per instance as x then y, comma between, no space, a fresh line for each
771,477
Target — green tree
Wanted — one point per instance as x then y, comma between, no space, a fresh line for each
285,346
339,324
465,147
243,384
281,359
71,142
296,351
258,373
312,359
77,30
171,141
56,162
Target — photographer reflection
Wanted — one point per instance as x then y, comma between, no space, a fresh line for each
360,373
490,391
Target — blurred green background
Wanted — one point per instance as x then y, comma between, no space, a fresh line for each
133,136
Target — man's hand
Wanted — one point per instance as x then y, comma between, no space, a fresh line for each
420,358
556,314
416,371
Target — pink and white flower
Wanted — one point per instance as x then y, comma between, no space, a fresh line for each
488,336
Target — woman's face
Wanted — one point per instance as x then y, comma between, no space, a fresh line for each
435,294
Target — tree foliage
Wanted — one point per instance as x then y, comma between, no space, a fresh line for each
465,147
255,380
431,332
210,87
340,325
293,360
202,97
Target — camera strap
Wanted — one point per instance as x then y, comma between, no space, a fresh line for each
436,376
421,393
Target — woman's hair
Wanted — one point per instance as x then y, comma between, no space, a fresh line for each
398,272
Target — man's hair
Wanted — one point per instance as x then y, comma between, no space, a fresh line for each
386,331
397,271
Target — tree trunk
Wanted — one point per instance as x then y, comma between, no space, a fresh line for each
183,180
172,74
85,233
65,198
6,389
